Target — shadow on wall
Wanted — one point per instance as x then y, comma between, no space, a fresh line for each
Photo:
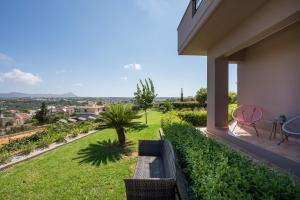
103,152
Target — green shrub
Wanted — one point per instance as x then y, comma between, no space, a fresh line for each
215,171
232,97
165,106
186,104
199,118
201,97
186,109
15,145
231,108
60,138
26,149
22,128
135,108
85,130
44,142
52,133
75,132
178,105
5,156
195,118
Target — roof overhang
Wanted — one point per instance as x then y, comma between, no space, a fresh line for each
212,21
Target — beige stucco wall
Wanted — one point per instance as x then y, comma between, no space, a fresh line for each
270,75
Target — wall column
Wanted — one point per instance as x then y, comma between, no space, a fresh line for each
217,98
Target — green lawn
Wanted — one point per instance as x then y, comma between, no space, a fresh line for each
91,168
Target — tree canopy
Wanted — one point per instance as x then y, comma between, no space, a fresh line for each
145,95
201,97
41,115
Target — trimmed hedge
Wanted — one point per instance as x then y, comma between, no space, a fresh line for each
215,171
53,133
178,105
197,118
189,104
165,106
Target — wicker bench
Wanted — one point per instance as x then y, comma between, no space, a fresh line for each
155,172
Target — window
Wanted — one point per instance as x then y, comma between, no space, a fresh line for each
196,5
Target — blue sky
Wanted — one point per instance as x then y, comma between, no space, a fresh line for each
95,47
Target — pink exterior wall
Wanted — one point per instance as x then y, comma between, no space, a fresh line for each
269,75
269,71
263,25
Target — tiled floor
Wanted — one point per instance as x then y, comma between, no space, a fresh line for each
289,149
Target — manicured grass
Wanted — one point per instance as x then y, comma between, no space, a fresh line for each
91,168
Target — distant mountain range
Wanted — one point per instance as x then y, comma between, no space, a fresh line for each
24,95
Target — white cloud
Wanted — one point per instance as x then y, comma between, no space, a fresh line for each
133,66
19,76
124,78
6,60
78,84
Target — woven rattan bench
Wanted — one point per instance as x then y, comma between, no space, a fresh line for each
155,172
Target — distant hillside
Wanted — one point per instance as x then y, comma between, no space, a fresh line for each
24,95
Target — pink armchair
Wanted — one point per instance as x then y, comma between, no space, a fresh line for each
247,115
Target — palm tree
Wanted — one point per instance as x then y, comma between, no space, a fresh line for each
119,116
